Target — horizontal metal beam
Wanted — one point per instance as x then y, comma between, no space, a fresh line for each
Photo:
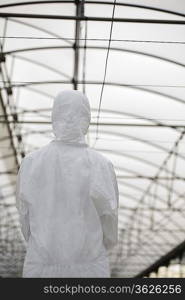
101,124
93,19
23,3
132,85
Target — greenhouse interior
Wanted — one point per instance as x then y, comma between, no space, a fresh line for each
128,57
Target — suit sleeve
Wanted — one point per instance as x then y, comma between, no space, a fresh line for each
21,203
106,201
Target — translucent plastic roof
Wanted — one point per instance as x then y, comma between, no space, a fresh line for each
133,74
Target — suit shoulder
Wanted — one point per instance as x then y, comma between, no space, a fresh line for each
99,157
34,154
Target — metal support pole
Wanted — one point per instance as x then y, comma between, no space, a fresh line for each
79,14
10,132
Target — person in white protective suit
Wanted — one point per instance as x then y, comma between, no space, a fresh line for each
67,198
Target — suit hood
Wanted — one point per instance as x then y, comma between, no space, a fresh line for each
71,116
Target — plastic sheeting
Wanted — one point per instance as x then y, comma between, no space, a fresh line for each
143,99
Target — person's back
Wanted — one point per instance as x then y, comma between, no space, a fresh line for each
67,198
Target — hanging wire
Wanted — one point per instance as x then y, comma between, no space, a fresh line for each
105,73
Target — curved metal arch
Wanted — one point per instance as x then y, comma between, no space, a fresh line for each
109,133
97,3
116,49
139,6
43,93
119,49
45,66
137,188
134,230
138,53
109,83
161,214
41,110
133,157
4,138
41,29
38,113
6,156
119,153
145,142
123,154
8,184
160,184
37,3
141,259
161,167
113,48
136,88
130,114
129,171
159,226
156,246
148,234
129,197
130,228
96,48
148,143
159,222
14,183
155,121
112,111
168,96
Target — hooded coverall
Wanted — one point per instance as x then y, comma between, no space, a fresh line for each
67,198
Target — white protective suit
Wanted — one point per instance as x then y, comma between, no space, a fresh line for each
67,198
